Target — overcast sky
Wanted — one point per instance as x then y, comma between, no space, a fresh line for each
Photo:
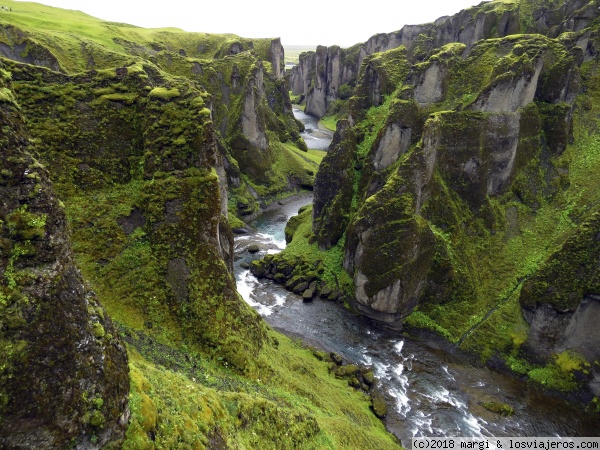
308,22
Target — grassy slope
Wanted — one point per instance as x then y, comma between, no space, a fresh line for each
181,396
69,30
297,406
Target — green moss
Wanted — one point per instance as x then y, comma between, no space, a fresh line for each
329,122
293,403
98,330
303,250
553,377
164,93
419,319
499,408
570,361
120,97
25,225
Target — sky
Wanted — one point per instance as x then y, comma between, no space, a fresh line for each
302,22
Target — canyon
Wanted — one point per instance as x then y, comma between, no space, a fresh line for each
456,204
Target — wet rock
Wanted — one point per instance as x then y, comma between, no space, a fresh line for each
502,409
369,378
285,267
295,281
258,269
308,295
279,278
378,404
254,248
300,287
350,370
335,295
244,265
325,291
337,359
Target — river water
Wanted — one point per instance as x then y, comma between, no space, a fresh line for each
429,392
315,137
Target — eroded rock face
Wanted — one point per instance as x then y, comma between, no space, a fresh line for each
484,21
419,165
334,187
64,378
561,301
387,249
395,141
381,73
276,55
333,67
512,93
20,47
251,147
430,89
320,75
573,15
252,125
316,97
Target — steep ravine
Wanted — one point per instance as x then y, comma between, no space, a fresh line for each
459,195
429,391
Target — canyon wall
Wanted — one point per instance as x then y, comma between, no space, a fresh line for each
454,187
320,74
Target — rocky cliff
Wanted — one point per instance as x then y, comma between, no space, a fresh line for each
243,80
320,74
64,376
456,188
177,205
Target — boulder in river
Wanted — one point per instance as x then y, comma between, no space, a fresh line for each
308,295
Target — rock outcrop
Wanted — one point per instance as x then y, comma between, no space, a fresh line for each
320,74
334,187
276,56
454,151
474,153
171,159
64,376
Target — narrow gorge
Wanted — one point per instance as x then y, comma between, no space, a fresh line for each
190,260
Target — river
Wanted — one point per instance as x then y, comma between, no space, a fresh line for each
316,137
429,391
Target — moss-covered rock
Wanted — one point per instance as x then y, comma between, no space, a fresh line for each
64,375
502,409
334,186
467,191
